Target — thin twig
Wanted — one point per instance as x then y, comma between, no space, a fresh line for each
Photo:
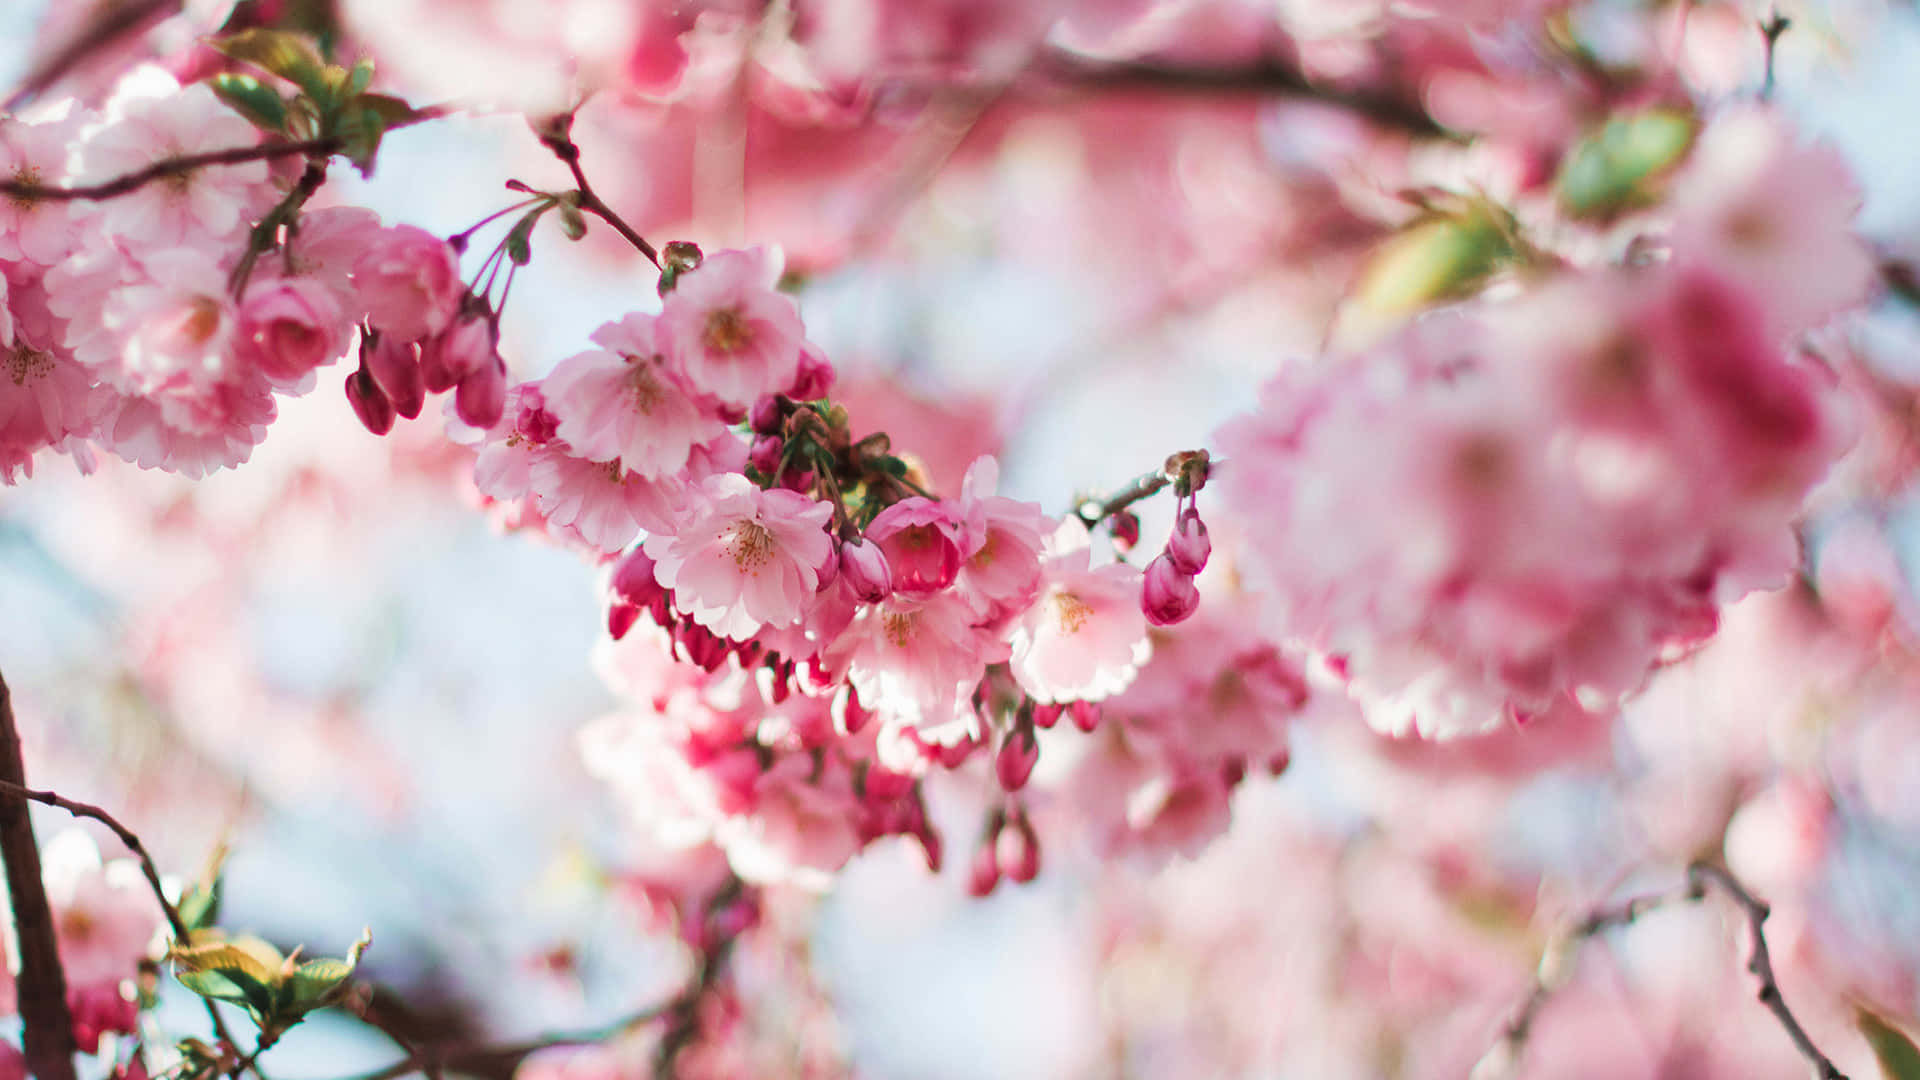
117,22
557,136
1761,963
178,166
1557,964
42,981
147,868
1771,28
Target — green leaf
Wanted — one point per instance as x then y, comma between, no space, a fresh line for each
261,105
1439,257
1623,164
359,78
200,907
279,53
392,110
360,135
1898,1057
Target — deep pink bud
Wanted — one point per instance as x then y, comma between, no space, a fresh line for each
1086,715
620,619
450,355
369,404
866,569
1014,763
767,416
853,715
633,579
800,480
829,569
1017,850
1168,594
1047,715
765,455
1189,545
396,367
1125,527
481,396
984,872
813,379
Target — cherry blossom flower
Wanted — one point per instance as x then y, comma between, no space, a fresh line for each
626,406
740,557
409,280
727,330
1084,637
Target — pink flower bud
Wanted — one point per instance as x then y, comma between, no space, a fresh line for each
396,367
1189,545
1046,715
866,569
828,570
369,404
633,579
620,619
1014,763
920,538
1017,850
1167,594
1125,527
765,455
984,872
450,355
1086,715
853,715
767,416
481,396
291,326
797,479
814,378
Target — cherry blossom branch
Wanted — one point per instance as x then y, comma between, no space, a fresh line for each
160,170
557,135
42,981
117,22
1760,962
126,836
1194,465
490,1059
1561,956
1270,77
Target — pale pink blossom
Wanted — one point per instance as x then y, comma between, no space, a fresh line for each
914,659
409,281
729,331
40,230
151,119
104,915
626,406
289,327
1084,637
802,826
1004,537
740,557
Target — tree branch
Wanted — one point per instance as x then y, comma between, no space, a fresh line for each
126,836
42,981
160,170
1561,956
557,135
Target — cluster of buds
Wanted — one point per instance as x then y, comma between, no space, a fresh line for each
1168,594
1009,848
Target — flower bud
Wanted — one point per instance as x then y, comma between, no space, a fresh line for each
396,367
1167,594
1086,715
765,455
481,396
1014,763
369,404
828,570
767,416
1125,527
813,379
853,715
633,579
866,569
1189,545
447,357
1017,850
620,618
984,872
800,480
1046,715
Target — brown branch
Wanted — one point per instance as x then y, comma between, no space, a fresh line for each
42,982
1760,962
160,170
119,21
1268,78
1561,955
1195,464
557,135
132,841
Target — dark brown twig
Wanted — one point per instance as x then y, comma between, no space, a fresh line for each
132,841
117,22
1771,28
557,135
43,981
160,170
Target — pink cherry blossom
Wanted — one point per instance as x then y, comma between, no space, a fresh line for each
1004,538
923,543
626,407
740,557
1084,637
41,230
289,327
409,280
727,330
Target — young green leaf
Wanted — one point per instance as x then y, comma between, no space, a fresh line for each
1898,1057
278,53
261,105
